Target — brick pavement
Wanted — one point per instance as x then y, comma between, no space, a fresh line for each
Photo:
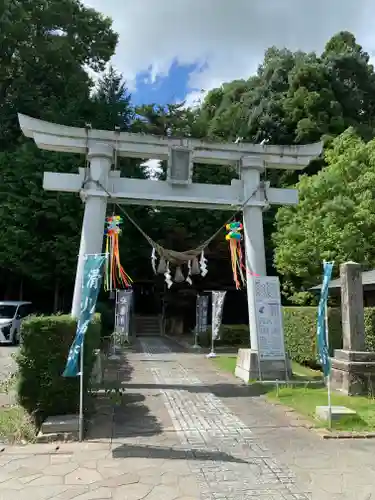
234,464
186,431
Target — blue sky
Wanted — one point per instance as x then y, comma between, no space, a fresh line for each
165,89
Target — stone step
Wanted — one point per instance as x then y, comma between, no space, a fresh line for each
60,424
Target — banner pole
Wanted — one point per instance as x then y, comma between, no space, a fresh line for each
252,287
91,281
81,393
218,298
81,363
212,353
197,322
328,376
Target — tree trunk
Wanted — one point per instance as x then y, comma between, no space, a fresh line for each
20,294
8,295
56,297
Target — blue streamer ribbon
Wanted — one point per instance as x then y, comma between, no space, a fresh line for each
321,324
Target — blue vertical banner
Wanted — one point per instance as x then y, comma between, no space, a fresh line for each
91,283
322,328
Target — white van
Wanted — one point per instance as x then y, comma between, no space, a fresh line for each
11,316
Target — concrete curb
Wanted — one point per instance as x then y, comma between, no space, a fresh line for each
327,434
323,433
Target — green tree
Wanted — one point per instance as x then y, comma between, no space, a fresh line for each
44,46
335,217
111,103
39,230
296,97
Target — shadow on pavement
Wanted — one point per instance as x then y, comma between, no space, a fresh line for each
120,411
133,418
167,453
220,390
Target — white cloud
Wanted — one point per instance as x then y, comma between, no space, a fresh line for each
226,38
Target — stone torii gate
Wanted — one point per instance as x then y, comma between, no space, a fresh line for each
177,191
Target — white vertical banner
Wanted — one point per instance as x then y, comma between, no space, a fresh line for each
217,313
122,323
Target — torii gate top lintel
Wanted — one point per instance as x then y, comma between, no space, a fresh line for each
62,138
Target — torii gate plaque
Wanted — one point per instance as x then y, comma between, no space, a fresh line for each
177,191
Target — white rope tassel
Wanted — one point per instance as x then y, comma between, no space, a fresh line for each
203,264
188,278
168,277
153,260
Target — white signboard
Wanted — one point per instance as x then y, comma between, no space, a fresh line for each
269,317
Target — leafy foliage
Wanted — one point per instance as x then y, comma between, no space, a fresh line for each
300,333
334,219
45,44
296,97
39,231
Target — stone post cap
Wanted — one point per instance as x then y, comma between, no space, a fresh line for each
253,163
351,265
100,150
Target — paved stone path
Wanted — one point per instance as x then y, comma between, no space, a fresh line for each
186,431
234,464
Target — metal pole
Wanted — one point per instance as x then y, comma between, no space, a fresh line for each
212,345
256,325
212,354
114,346
197,323
81,393
328,377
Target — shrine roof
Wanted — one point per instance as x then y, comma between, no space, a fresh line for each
368,278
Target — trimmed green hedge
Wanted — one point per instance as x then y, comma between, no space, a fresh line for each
46,340
300,332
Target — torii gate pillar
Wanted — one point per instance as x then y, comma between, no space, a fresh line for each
251,168
100,156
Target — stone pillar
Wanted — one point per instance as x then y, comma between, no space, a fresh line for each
100,157
353,324
248,359
353,369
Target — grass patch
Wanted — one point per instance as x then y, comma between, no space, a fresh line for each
305,373
16,425
300,372
305,399
226,363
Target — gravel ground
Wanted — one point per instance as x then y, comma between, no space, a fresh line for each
7,364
